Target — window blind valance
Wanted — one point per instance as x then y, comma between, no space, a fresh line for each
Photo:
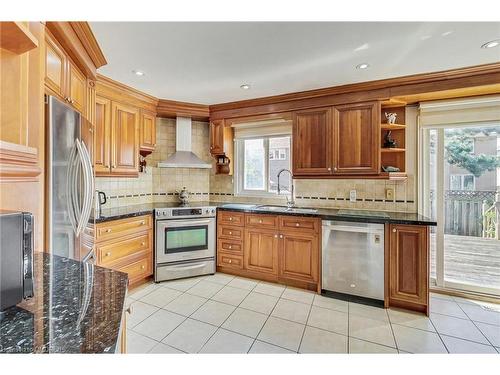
262,128
484,109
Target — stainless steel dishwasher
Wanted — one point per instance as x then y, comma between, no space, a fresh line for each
353,258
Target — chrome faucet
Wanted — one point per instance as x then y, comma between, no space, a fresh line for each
290,203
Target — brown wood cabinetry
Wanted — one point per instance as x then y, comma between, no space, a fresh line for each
337,141
221,146
217,137
62,78
147,132
126,245
124,140
102,136
312,138
356,139
408,278
282,249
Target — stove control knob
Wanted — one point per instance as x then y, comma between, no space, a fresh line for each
164,214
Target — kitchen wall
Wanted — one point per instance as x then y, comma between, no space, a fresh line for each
160,184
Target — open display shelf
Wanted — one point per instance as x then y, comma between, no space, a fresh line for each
393,156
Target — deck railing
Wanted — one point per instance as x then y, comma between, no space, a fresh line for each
471,213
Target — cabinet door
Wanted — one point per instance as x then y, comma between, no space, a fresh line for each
102,136
77,88
148,131
408,265
357,139
55,68
312,142
299,257
261,251
124,140
217,137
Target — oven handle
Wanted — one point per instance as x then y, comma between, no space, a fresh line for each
178,223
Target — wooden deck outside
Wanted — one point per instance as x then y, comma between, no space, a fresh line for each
470,259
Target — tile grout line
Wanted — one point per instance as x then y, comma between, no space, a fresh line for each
305,325
475,325
392,329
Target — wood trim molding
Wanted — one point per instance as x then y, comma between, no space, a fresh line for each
115,90
172,108
16,38
86,36
18,163
75,48
487,74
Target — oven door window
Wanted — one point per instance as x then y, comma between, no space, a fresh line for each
184,239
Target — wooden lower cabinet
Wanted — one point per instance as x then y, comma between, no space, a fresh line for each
261,251
299,257
408,277
283,249
126,245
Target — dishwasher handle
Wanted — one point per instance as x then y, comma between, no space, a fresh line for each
358,229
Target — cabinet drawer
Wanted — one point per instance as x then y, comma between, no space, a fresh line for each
229,260
261,221
233,233
114,252
123,227
230,246
139,269
299,223
231,218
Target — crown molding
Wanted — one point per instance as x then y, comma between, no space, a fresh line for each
172,108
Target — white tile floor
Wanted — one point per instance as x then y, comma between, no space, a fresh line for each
226,314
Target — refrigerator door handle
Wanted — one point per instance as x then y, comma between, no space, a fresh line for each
70,190
88,186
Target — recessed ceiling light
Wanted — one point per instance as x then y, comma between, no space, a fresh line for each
245,86
491,44
446,33
138,72
362,66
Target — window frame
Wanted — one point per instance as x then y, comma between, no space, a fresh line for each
239,174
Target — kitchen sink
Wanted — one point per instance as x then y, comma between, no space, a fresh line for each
273,208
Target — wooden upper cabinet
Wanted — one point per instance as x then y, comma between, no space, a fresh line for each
55,67
299,256
357,138
217,137
261,251
147,131
125,142
409,266
102,136
312,142
77,88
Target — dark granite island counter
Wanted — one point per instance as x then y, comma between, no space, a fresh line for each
77,308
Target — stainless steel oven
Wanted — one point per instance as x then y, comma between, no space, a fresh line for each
185,242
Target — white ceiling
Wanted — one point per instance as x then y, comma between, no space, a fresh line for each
206,63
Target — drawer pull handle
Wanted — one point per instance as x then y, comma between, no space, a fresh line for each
143,267
230,261
143,222
230,232
230,219
297,224
143,243
394,230
281,236
108,230
230,247
260,221
108,254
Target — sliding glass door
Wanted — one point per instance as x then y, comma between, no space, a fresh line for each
459,188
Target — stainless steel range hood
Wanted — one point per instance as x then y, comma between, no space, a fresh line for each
183,157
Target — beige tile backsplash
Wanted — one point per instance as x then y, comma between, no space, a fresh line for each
160,184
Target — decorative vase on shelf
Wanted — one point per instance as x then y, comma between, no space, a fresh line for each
389,142
391,117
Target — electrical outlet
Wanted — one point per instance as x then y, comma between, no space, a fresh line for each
352,195
389,194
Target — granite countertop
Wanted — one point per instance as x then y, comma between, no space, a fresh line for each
381,217
77,308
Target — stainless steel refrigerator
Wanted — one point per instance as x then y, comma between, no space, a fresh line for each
70,182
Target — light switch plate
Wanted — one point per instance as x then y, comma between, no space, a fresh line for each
352,195
389,194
